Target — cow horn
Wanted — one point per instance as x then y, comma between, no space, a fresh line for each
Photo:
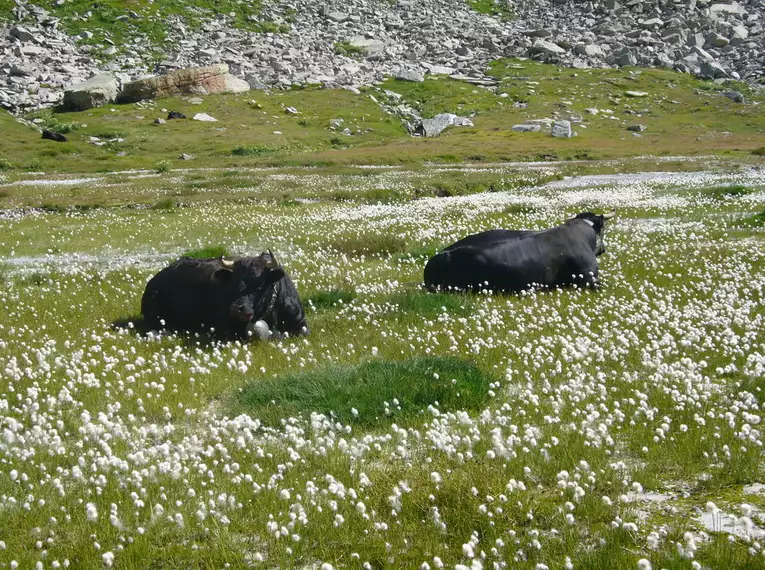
609,215
228,264
274,263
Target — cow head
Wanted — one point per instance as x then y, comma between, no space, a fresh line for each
598,223
251,284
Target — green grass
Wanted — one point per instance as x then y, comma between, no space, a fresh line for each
723,192
569,381
757,220
680,112
209,251
498,8
380,391
328,299
112,20
430,305
253,150
370,244
348,49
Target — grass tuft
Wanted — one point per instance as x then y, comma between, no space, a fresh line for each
757,220
349,50
723,192
330,298
447,383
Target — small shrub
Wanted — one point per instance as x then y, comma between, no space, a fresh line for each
336,141
53,124
328,299
5,164
209,251
370,389
759,151
163,166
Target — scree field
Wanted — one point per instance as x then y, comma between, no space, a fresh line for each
563,429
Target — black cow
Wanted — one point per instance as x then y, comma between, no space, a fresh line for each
249,296
512,261
51,136
175,115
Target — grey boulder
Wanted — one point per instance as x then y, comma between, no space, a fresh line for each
94,92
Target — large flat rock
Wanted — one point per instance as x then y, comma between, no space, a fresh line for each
190,81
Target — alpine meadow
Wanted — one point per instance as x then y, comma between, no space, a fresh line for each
615,422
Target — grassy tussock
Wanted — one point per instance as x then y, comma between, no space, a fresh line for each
724,192
380,391
330,298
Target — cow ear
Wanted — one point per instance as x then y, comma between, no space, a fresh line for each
275,275
223,275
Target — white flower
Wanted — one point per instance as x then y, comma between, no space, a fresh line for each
644,564
91,512
108,558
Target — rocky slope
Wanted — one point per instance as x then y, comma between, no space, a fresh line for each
355,42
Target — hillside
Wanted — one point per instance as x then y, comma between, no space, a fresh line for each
52,44
672,114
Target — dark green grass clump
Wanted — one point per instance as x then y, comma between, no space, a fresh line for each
209,251
445,382
723,192
330,298
757,220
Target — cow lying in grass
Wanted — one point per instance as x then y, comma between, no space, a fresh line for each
512,261
249,296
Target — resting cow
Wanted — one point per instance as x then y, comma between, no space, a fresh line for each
512,261
249,296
